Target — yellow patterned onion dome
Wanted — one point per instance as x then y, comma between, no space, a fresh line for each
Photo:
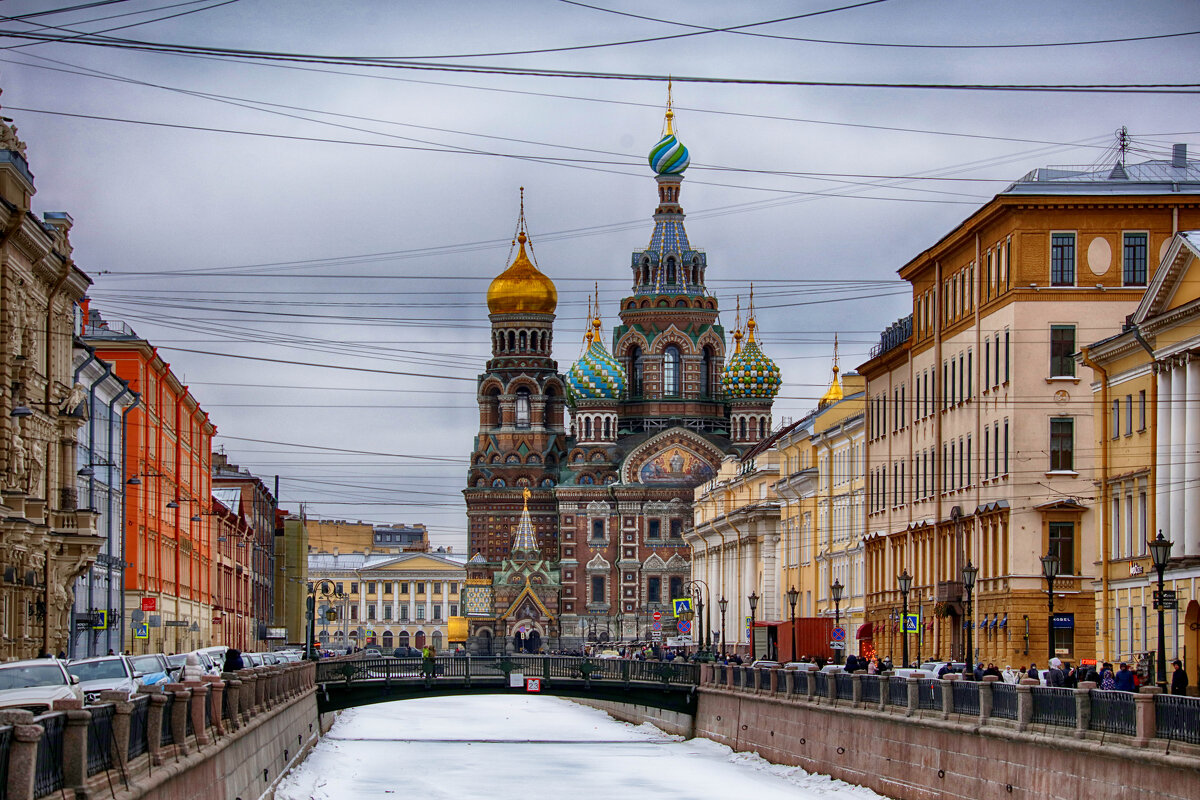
750,374
522,289
596,375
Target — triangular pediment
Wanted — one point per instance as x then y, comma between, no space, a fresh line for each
654,564
677,562
410,562
1177,279
528,595
598,562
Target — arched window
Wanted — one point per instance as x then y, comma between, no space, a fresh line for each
706,372
635,371
387,641
587,427
671,276
436,640
524,342
671,372
512,341
545,341
402,639
493,408
742,428
522,406
607,428
762,427
644,272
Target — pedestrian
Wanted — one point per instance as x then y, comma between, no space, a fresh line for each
110,652
978,670
1124,679
1108,681
992,669
233,660
1179,678
192,671
1056,677
1009,675
1033,672
943,670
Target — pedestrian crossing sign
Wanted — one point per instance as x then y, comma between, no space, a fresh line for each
140,631
682,605
912,622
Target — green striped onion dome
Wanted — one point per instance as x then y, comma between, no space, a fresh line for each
669,156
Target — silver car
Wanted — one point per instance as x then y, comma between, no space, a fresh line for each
35,684
104,673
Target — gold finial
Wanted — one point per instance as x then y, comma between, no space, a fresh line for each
750,323
587,329
834,393
737,327
835,354
670,113
525,493
596,319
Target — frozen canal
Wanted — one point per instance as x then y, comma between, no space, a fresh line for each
500,747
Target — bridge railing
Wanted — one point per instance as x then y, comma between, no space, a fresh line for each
1087,712
79,750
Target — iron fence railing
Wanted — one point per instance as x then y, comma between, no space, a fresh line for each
168,730
844,685
897,691
1053,706
869,693
594,669
1177,717
1112,712
1004,700
929,694
800,682
48,773
820,684
100,738
966,697
139,719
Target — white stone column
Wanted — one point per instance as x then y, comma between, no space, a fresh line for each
445,602
412,601
1179,434
770,603
1162,477
1189,531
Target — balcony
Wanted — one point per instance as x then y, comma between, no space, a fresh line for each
949,592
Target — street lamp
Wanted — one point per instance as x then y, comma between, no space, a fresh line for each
793,595
969,572
697,589
1050,566
905,581
724,604
326,589
1160,551
836,591
753,598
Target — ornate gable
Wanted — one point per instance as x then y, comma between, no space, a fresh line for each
675,457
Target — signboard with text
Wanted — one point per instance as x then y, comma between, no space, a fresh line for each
149,604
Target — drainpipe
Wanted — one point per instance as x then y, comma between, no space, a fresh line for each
124,506
1105,491
91,357
112,404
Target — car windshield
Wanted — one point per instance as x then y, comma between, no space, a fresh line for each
98,670
147,664
32,675
177,660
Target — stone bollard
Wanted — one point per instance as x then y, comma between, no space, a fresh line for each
1025,703
216,699
22,758
75,744
884,687
831,687
773,682
233,687
248,693
729,668
179,711
1083,708
154,725
856,689
947,686
706,674
914,695
789,682
1143,714
196,705
985,698
122,711
262,674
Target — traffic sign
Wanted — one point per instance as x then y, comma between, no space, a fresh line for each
838,645
533,685
1169,600
839,634
141,631
685,627
682,605
912,622
656,636
656,626
657,616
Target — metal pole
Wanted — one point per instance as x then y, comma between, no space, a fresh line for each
1050,622
837,623
722,632
969,670
904,627
1162,632
793,632
750,635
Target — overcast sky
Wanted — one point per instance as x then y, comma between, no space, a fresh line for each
360,224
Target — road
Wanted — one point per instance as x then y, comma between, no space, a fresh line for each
499,747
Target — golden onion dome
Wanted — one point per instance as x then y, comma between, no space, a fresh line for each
522,289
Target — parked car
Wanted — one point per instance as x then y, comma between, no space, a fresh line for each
762,662
406,652
154,668
372,652
104,673
35,684
252,659
179,659
913,672
217,656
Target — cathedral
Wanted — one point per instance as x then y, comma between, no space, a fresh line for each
581,482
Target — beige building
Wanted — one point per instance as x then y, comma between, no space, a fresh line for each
979,434
1145,385
46,540
291,577
387,600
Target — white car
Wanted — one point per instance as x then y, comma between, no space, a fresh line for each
104,673
35,684
153,668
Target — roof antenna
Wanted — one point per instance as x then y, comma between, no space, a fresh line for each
1118,171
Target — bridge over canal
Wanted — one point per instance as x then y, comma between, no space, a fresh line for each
670,686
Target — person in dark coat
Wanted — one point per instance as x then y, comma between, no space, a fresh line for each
851,662
1179,678
233,660
1033,672
1124,679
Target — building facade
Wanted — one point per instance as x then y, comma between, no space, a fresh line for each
100,621
291,577
1145,381
169,535
234,619
46,539
979,435
610,494
257,505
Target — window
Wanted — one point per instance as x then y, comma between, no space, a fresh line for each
984,474
654,590
454,609
1062,348
354,587
1062,544
420,587
677,524
1007,354
597,589
1062,259
404,613
676,584
421,612
970,374
437,612
597,529
404,587
1062,444
1135,259
387,587
353,612
387,612
371,611
1142,410
1116,418
671,372
370,587
523,408
337,587
653,529
636,366
1128,415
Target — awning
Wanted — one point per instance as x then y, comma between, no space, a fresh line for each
865,631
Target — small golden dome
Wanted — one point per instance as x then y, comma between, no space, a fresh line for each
522,289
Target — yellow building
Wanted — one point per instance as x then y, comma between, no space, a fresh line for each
797,491
291,577
1145,384
386,600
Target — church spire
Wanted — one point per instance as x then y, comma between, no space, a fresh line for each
525,541
834,393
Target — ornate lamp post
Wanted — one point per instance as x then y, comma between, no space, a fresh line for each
1160,551
724,604
326,589
793,595
698,589
753,598
1050,566
836,591
969,573
905,581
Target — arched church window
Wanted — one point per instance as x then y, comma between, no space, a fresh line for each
587,427
762,427
522,407
607,428
524,342
671,371
512,341
644,274
742,428
671,276
706,372
635,371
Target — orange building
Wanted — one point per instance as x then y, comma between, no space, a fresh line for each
168,522
233,617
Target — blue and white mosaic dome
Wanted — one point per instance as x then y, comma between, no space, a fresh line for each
750,374
596,375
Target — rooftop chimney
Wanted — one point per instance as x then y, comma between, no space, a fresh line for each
1179,156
